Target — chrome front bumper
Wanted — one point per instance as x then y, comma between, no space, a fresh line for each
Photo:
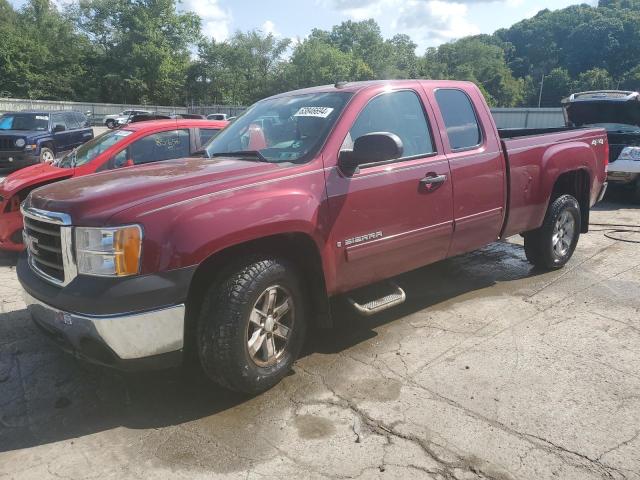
112,339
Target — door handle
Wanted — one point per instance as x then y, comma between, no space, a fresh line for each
432,181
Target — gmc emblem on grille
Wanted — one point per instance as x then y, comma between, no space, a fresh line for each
31,243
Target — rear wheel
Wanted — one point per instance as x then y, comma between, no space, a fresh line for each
47,155
551,246
110,123
252,325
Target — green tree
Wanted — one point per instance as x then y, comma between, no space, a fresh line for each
315,62
41,56
362,40
478,59
631,79
247,67
401,59
141,49
594,79
558,84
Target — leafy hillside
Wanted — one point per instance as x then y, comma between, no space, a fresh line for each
147,52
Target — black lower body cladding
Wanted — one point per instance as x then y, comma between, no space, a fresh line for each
109,296
133,323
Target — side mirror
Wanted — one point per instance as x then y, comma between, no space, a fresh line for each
128,163
58,128
371,148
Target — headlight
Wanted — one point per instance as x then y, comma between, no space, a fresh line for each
630,153
20,142
108,252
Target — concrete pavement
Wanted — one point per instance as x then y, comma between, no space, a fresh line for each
490,370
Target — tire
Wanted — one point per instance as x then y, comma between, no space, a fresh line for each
551,246
110,123
47,155
228,324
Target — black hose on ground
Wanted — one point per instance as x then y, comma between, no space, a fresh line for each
617,228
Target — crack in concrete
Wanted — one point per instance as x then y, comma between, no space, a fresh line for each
389,430
532,439
620,445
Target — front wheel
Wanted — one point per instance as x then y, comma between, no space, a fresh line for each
252,325
551,246
47,155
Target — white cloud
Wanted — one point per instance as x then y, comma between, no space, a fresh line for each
268,27
435,21
216,21
428,22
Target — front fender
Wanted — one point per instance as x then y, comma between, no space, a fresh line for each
43,141
189,232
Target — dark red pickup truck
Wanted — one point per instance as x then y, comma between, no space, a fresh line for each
308,195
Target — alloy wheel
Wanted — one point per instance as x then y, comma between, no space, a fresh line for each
270,326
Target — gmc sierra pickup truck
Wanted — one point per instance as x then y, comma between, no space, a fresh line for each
323,192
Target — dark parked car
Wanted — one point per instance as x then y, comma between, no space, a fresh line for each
619,113
27,138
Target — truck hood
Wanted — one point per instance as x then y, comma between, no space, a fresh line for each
33,175
599,112
92,200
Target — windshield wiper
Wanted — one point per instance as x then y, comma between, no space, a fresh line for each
242,153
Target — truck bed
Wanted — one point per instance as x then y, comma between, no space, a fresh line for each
527,153
506,133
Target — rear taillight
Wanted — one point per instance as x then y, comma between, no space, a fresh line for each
606,154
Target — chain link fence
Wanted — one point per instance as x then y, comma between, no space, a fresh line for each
504,117
97,111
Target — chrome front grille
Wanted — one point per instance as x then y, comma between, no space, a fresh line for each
47,237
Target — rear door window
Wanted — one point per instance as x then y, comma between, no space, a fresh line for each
161,146
58,119
395,112
71,121
81,119
459,118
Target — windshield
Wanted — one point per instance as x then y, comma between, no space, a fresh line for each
619,117
284,129
24,121
90,150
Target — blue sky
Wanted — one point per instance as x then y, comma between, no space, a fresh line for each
428,22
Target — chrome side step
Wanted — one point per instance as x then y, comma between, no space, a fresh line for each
386,297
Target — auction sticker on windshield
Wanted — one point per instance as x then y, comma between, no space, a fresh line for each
321,112
42,117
